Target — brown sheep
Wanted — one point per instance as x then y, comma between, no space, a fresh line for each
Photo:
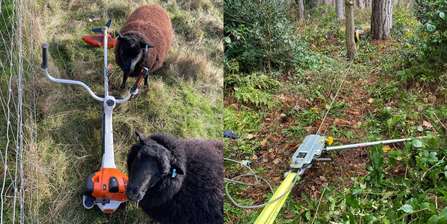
149,26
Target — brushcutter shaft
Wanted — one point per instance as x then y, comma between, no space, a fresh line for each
322,160
359,145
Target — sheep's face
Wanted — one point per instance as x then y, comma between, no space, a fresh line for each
149,166
131,50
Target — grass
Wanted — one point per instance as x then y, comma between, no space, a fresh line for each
184,97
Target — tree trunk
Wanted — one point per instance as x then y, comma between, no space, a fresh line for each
360,4
300,8
350,44
327,3
381,19
339,9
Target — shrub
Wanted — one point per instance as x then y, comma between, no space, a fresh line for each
260,36
433,16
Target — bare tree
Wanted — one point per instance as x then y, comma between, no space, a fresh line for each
327,3
360,4
300,9
350,44
381,19
339,9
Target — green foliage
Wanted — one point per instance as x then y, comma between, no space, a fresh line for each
383,198
432,15
242,121
423,55
240,146
253,89
376,170
256,32
327,29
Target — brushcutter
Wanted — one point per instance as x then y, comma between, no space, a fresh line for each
307,153
107,187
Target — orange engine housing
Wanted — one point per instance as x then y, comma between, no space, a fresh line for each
108,183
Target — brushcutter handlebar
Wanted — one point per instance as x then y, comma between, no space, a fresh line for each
45,67
44,64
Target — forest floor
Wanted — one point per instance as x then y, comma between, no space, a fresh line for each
373,104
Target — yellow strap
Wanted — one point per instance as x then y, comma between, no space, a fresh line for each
269,213
357,35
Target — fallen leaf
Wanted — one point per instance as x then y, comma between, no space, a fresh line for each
309,129
289,216
254,156
276,178
341,122
386,148
371,100
276,161
272,156
249,136
327,106
316,181
262,143
427,124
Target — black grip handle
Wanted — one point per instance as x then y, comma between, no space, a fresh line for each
44,64
138,82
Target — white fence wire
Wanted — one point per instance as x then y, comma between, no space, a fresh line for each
18,149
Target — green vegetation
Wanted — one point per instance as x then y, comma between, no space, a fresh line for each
393,89
184,97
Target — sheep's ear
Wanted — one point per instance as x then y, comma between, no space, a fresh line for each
178,170
139,137
145,46
118,34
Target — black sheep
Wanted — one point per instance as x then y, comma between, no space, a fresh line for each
143,41
177,181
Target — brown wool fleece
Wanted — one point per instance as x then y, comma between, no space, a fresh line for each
152,24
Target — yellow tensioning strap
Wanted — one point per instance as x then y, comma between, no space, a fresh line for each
269,213
357,35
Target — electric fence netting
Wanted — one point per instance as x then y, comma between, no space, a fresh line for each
19,166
